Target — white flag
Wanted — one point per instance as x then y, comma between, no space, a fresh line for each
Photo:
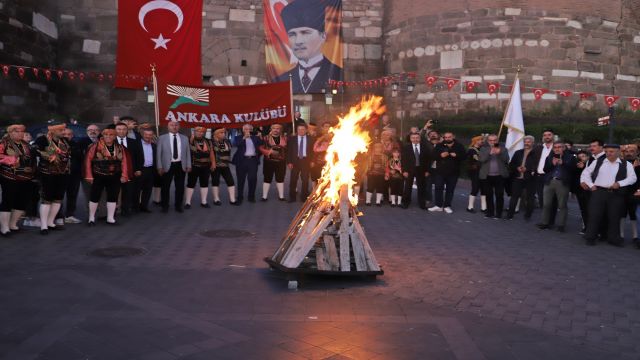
513,121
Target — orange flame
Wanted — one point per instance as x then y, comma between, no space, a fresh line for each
349,139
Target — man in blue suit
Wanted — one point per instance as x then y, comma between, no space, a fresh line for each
246,159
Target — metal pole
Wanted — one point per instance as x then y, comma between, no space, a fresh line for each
611,125
155,98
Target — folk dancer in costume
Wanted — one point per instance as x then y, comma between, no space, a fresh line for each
53,168
393,174
274,150
203,161
106,168
222,149
473,171
376,175
17,169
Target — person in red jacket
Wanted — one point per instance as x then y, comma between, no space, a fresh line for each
106,167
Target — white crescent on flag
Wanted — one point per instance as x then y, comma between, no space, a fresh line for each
160,5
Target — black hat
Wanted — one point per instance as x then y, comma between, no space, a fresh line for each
612,146
304,13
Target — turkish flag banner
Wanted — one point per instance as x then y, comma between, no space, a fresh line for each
635,103
224,106
160,32
610,100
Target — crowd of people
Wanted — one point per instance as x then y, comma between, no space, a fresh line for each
126,165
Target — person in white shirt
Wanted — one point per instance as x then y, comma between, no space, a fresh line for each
607,179
540,154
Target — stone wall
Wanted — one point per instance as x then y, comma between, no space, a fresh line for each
570,44
28,36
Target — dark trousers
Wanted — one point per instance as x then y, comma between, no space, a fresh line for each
428,187
540,193
271,168
396,185
53,187
475,183
108,183
605,205
16,194
421,182
199,175
525,191
494,189
299,170
446,184
376,183
177,175
73,187
583,203
225,173
145,187
247,169
128,190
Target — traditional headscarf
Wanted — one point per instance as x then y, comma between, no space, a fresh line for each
15,127
54,127
108,132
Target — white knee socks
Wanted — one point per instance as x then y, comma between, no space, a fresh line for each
111,212
15,217
483,202
280,187
265,190
378,199
204,194
472,202
93,207
44,215
368,198
55,207
4,222
188,194
232,193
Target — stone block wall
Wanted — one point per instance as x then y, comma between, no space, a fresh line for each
565,45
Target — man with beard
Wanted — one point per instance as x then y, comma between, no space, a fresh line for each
449,156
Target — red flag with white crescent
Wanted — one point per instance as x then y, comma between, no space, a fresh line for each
610,100
539,92
470,85
586,95
564,93
635,103
493,87
161,32
430,80
451,83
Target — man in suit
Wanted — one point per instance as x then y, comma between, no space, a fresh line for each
145,181
494,160
558,169
415,164
173,161
299,160
135,157
132,125
247,159
523,169
304,21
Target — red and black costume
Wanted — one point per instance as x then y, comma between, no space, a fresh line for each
203,160
17,169
274,150
106,165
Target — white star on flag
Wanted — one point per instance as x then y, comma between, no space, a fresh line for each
160,42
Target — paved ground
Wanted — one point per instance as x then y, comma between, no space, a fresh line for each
455,287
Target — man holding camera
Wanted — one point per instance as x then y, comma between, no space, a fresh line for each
558,170
449,156
494,160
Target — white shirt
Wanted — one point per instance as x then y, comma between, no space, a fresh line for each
607,174
302,139
177,136
543,157
311,73
596,157
147,149
122,141
250,150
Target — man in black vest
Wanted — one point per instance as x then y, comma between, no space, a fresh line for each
607,179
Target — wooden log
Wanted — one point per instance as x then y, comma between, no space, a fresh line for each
305,242
372,263
331,253
305,230
321,259
345,257
358,250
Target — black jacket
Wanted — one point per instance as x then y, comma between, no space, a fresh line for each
449,166
530,164
328,71
292,151
408,160
134,147
567,168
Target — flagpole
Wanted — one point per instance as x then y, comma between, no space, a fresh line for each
155,98
504,116
293,113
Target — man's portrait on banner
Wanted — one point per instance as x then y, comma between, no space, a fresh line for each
309,32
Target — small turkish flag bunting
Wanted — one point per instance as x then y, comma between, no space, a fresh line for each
539,92
586,95
5,70
430,80
21,72
493,87
611,99
47,74
101,77
60,74
635,103
71,75
81,76
564,93
470,85
451,83
36,71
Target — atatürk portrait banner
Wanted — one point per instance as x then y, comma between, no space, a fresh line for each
304,43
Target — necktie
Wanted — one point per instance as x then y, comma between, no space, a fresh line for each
417,154
175,147
301,148
306,80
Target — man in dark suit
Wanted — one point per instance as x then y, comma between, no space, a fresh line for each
558,168
299,156
523,169
145,181
304,21
247,159
415,164
134,150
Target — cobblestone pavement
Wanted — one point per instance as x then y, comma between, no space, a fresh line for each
455,287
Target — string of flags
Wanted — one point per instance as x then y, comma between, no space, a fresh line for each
39,73
492,87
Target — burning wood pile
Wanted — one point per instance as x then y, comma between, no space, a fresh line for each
325,236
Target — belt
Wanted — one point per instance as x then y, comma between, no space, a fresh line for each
250,157
606,189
